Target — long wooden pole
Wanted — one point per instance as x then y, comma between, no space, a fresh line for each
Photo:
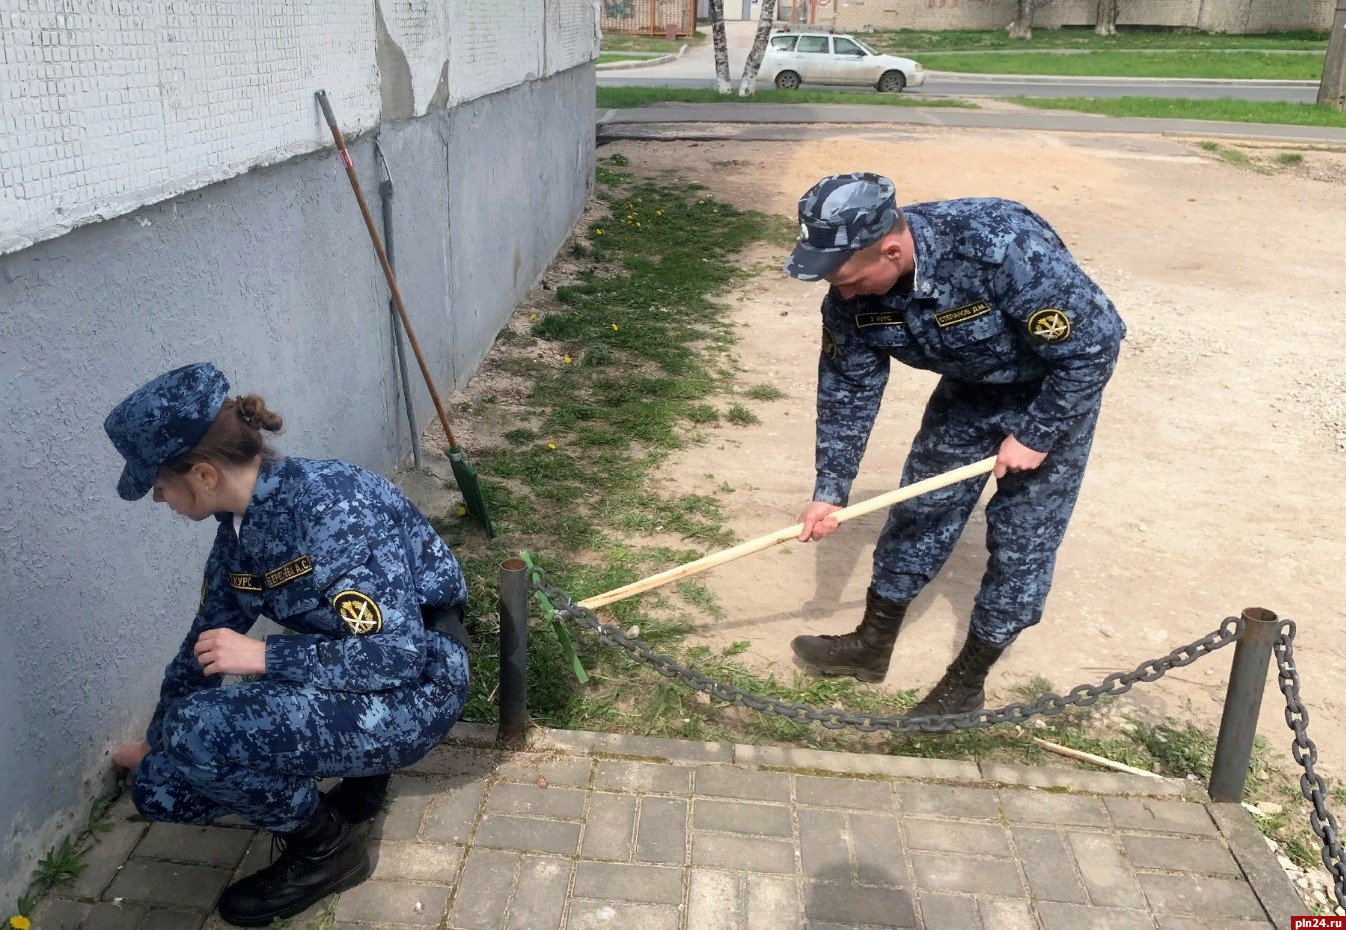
789,533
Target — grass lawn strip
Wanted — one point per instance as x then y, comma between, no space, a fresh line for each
903,41
624,97
1235,111
1217,65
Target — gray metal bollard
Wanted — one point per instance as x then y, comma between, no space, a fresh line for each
513,649
1242,704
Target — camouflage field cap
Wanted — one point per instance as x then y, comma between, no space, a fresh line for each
839,215
162,420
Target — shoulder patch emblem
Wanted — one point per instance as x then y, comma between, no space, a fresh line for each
1049,325
829,343
289,571
359,612
879,318
962,314
242,581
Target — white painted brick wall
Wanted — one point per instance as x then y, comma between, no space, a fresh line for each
107,105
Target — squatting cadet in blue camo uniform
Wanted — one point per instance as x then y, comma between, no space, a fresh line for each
373,676
985,293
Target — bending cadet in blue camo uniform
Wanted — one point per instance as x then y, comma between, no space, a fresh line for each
373,677
986,294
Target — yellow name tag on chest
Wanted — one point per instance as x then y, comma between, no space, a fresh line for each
962,314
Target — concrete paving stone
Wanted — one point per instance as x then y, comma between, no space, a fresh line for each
1200,894
635,883
748,854
1107,877
661,830
600,915
823,849
948,801
642,777
1052,808
715,900
847,763
529,835
1006,914
733,817
540,897
771,903
1179,854
450,818
1058,916
106,915
1160,816
150,881
948,912
1111,783
484,735
408,800
554,769
59,913
532,801
727,781
1257,862
105,857
982,839
222,847
1175,922
407,903
879,856
258,855
483,892
463,762
965,875
653,748
848,904
1048,866
609,827
856,793
436,863
161,918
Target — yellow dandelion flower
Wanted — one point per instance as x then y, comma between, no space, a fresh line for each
658,212
532,316
19,922
566,360
598,232
462,511
701,203
614,327
551,445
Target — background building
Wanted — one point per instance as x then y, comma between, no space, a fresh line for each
169,194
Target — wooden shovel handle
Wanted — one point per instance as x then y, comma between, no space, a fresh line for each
789,533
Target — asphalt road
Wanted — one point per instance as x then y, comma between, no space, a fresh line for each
1029,86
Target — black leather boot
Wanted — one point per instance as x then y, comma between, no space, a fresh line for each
961,689
320,858
359,799
863,653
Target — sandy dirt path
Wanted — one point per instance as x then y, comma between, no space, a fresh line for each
1215,482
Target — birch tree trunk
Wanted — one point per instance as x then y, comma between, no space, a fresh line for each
1022,27
747,86
723,83
1105,18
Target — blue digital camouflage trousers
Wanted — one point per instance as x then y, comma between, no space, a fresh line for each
1026,518
257,749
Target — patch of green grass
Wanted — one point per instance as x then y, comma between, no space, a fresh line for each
1236,111
607,58
904,41
1233,156
764,392
621,43
741,416
1288,159
1176,64
65,861
622,97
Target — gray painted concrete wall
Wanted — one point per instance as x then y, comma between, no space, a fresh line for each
271,275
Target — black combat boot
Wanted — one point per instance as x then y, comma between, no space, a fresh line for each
320,858
960,690
864,652
359,799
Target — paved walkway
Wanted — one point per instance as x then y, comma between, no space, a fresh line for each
584,831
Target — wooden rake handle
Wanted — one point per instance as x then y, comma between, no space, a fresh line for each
789,533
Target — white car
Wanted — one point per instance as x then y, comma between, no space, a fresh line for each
794,58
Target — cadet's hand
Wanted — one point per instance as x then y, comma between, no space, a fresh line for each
1015,456
818,522
128,756
225,652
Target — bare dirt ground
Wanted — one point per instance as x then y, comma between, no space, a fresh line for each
1216,478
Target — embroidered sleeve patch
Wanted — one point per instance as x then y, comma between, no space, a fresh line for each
359,612
829,343
962,314
1049,325
879,318
242,581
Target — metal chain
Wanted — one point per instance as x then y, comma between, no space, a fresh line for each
835,719
1306,754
